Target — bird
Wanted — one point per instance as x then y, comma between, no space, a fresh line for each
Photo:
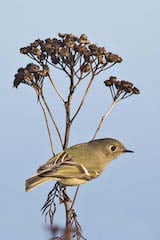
78,164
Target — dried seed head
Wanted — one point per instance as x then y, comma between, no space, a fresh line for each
128,90
69,43
47,47
83,39
85,68
63,52
101,50
36,43
32,68
55,60
49,41
113,57
71,37
62,35
82,50
20,70
35,51
101,59
42,56
108,83
25,50
135,90
16,82
45,70
118,85
28,78
113,79
92,47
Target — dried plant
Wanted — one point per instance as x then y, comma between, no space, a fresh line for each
79,59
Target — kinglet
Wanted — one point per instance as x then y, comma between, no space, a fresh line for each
78,164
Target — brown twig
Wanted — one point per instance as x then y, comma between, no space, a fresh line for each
68,110
75,195
104,117
52,118
48,128
56,89
65,145
83,98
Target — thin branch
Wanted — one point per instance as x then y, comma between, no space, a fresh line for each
33,58
52,118
56,89
68,122
80,64
67,132
53,65
79,80
75,195
105,68
48,129
104,117
84,97
124,96
112,91
68,109
77,59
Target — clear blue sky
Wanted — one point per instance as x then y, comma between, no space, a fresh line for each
124,202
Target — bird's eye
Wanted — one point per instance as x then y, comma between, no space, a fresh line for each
113,148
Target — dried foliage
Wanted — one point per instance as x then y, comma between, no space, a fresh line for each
79,59
75,56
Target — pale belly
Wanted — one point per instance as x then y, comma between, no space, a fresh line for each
72,181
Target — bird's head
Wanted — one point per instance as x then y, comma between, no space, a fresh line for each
114,148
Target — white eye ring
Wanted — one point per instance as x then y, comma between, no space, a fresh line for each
113,148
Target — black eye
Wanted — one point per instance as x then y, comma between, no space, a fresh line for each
113,148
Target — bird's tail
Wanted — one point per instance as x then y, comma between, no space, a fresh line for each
35,181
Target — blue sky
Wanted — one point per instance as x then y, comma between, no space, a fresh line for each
124,202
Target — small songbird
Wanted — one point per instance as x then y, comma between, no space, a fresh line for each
78,164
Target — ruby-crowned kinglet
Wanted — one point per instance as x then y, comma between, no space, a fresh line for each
78,164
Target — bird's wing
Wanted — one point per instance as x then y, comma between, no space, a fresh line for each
63,166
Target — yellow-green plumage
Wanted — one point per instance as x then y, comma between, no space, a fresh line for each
78,164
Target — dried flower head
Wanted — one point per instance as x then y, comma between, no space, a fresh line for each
120,89
66,52
31,75
85,68
83,39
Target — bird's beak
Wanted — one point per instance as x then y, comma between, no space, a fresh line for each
127,151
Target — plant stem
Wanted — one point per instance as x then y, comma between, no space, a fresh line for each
65,145
68,216
52,118
48,129
56,89
83,99
104,117
68,110
75,195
